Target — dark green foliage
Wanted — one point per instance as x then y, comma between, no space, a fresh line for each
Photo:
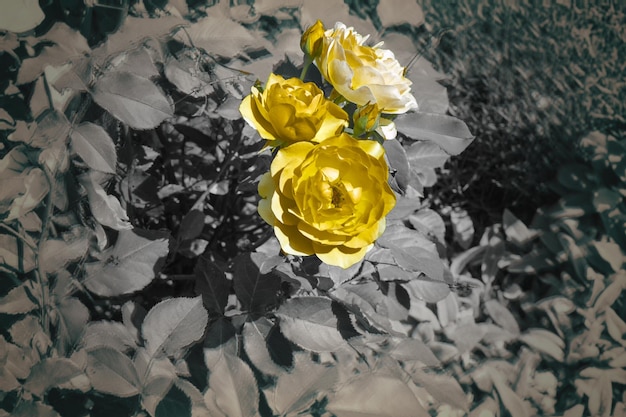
530,78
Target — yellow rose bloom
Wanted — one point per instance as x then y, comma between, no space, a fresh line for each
363,74
289,111
312,39
329,199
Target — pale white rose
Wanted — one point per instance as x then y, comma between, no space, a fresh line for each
364,74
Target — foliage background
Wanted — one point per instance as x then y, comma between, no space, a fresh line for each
533,324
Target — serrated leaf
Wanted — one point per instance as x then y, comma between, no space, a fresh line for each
212,285
96,148
55,254
296,390
398,161
414,350
181,72
112,372
255,287
174,324
310,323
254,335
106,333
375,396
399,12
232,380
16,255
429,222
220,35
126,267
425,289
174,404
133,31
59,45
34,188
73,316
367,301
448,132
17,301
33,408
51,373
105,208
134,100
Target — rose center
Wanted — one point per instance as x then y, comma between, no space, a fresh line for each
337,197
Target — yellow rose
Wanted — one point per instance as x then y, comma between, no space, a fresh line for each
328,199
289,111
312,39
364,74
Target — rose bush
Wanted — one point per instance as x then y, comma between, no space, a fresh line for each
363,74
290,110
328,199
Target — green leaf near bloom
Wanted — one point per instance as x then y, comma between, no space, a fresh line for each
96,148
429,222
310,323
398,163
212,285
173,325
134,100
372,308
448,132
126,267
296,390
112,372
255,335
233,384
255,287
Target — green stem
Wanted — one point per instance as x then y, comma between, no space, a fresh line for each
41,274
308,60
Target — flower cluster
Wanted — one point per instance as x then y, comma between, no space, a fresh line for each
327,190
